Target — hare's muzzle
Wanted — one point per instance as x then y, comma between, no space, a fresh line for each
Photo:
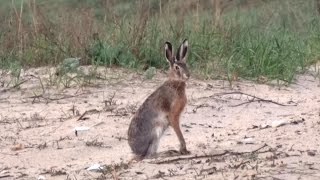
186,76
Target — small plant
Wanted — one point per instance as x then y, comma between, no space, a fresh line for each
15,75
150,73
69,65
67,71
89,77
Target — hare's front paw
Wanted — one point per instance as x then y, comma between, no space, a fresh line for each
184,151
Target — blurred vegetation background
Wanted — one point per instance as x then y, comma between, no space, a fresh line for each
252,39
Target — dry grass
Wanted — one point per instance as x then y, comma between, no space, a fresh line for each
253,39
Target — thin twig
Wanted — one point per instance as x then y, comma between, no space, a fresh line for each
240,164
201,106
256,150
51,99
15,86
190,157
21,82
255,99
55,99
91,111
82,115
39,78
209,155
120,138
5,176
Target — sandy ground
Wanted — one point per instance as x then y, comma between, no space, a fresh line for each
230,136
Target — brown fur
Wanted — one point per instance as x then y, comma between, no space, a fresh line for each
162,108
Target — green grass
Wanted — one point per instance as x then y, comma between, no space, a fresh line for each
275,39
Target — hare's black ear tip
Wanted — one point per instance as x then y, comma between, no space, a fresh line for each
185,41
168,45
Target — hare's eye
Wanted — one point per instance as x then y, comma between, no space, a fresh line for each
177,67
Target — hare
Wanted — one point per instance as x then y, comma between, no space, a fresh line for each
162,108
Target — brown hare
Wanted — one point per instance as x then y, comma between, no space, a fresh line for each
162,108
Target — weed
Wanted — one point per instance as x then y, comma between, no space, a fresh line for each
14,69
150,73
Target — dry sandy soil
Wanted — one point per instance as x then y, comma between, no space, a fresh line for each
230,136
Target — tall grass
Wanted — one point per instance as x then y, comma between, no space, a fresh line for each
274,39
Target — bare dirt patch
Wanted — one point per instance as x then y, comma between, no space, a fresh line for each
251,131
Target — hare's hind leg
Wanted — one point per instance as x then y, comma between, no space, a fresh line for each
153,147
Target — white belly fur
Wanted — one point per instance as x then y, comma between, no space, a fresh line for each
161,124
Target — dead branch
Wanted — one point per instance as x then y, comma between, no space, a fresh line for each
190,157
82,115
53,99
15,86
21,82
91,111
202,106
210,170
254,99
240,164
5,176
210,155
120,138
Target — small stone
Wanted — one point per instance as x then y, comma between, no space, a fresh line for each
311,153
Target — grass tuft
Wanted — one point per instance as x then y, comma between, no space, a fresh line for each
271,39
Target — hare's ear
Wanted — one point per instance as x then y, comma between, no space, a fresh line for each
182,51
168,52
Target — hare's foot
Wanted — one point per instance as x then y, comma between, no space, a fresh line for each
135,159
184,151
152,150
169,153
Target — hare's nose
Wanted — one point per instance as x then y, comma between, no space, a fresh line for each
187,76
